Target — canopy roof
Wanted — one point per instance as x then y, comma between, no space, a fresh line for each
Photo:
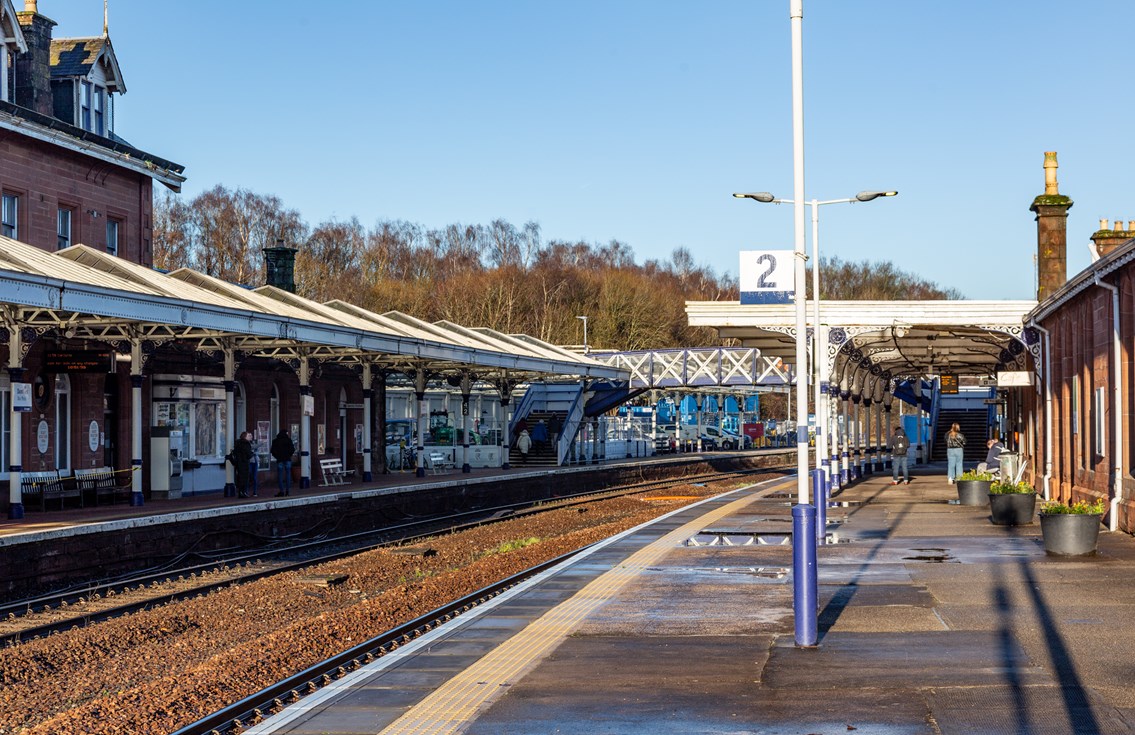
83,293
902,338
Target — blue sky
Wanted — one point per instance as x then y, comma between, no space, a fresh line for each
636,120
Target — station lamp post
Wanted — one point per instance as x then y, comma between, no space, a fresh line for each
819,360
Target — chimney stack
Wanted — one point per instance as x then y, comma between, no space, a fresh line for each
281,266
1051,210
1108,238
33,69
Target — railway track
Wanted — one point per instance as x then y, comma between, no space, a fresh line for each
31,618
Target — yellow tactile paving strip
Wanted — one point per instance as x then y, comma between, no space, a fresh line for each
456,703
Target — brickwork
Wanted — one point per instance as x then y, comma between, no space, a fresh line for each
46,178
1082,340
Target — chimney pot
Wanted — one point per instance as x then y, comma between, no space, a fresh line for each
1103,223
1131,225
30,6
1050,184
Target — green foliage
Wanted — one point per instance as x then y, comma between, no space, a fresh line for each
515,545
1011,488
974,475
1077,508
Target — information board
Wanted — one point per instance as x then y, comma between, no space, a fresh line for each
949,383
78,361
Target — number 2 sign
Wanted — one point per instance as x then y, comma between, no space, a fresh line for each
767,276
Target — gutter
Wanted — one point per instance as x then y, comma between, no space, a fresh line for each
1117,407
1048,441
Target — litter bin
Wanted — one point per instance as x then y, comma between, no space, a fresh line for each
1009,463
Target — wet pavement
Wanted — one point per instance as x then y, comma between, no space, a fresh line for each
931,620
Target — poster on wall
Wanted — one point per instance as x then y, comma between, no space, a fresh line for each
359,438
263,429
43,437
321,439
294,430
93,436
308,405
22,397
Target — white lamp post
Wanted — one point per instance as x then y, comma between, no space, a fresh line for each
584,333
820,363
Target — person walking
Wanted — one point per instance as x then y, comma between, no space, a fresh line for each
282,450
524,443
539,434
900,445
241,457
955,451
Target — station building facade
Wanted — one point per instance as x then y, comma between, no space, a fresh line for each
74,188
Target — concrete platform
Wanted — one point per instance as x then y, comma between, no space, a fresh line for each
932,620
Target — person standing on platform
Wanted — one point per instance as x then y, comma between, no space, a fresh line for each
900,445
282,450
524,443
955,451
241,457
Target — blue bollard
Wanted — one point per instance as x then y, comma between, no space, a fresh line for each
805,592
819,497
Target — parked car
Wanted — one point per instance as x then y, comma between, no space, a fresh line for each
713,437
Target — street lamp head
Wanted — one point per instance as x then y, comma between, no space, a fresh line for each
760,196
866,196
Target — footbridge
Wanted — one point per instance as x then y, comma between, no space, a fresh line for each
703,367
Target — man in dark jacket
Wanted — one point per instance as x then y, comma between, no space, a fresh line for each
282,450
241,457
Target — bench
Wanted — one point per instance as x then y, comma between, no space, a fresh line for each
333,473
37,488
439,462
99,483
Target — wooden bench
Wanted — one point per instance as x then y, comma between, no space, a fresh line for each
333,473
99,483
37,488
439,462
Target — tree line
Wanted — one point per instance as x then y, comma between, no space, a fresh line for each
496,275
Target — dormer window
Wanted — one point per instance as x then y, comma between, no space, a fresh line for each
92,108
84,79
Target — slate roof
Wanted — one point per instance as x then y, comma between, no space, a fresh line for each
74,57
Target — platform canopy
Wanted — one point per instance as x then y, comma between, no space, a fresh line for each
897,338
80,293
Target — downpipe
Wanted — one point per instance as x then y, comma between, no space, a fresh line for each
1117,407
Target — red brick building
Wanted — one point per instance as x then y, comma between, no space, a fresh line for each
1079,417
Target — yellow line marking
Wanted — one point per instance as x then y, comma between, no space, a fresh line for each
456,703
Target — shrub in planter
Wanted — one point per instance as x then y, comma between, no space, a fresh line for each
1011,503
973,487
1071,529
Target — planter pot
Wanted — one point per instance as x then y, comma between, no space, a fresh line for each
1069,534
1012,509
973,492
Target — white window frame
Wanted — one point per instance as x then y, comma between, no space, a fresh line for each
86,92
63,455
1099,420
115,225
63,227
98,110
10,216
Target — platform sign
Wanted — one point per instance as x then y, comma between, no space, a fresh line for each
767,276
78,361
949,383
